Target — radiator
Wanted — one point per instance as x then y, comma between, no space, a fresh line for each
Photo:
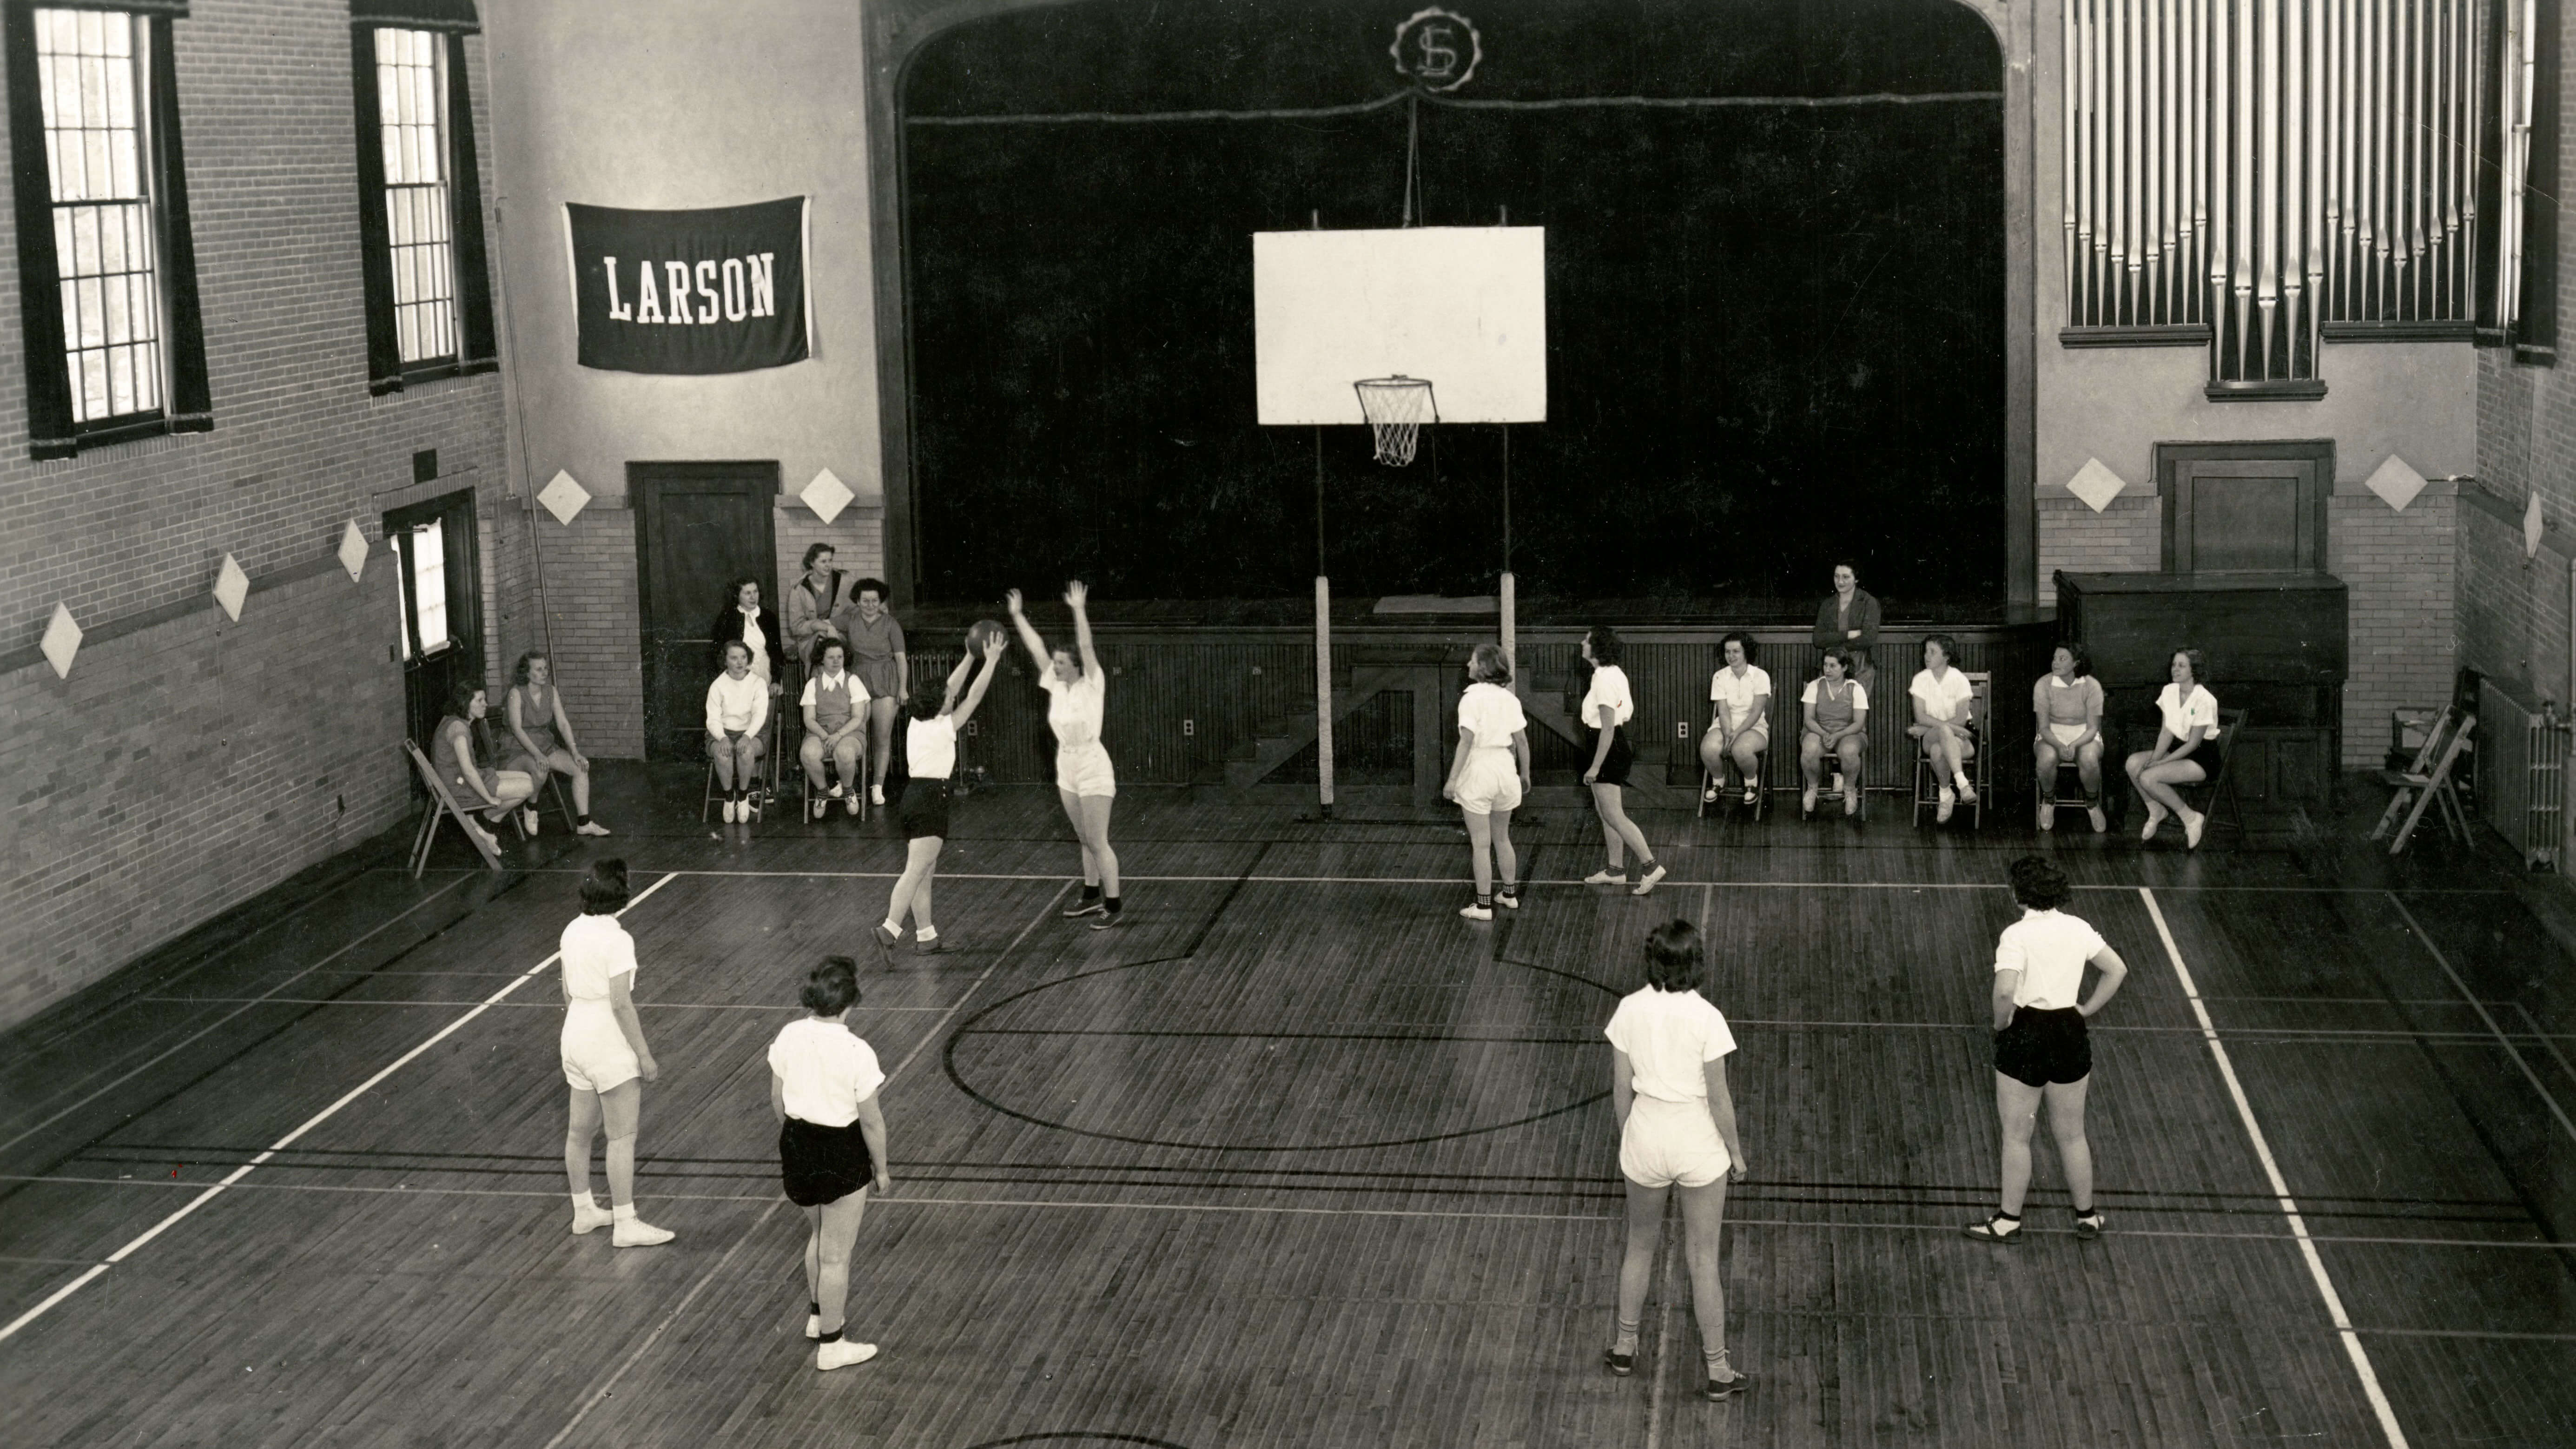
2521,775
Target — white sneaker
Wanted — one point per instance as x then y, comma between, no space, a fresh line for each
836,790
1967,792
1646,883
841,1353
854,802
1607,875
727,807
1949,802
2191,828
821,807
591,1219
1475,912
591,827
528,819
876,794
637,1233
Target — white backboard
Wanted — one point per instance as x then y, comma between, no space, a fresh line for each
1463,306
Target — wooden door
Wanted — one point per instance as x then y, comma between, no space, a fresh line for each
2245,507
439,571
698,528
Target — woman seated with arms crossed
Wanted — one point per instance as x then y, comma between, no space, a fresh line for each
451,752
1739,718
1945,709
737,708
2068,701
836,724
1837,709
2190,721
543,733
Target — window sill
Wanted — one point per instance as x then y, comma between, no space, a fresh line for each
2285,389
2527,355
2187,335
114,431
421,374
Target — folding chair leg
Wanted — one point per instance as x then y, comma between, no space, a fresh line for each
421,838
2423,798
2388,817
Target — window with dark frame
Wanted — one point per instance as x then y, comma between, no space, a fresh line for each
107,272
428,293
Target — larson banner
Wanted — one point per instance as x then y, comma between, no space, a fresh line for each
720,290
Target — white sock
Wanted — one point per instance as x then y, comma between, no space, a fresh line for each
585,1202
1962,777
624,1212
894,926
926,933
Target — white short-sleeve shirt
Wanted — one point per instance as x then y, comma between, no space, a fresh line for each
827,1071
1670,1037
1736,693
1075,709
1852,691
930,747
1492,714
1610,687
2182,714
2049,949
595,948
1943,697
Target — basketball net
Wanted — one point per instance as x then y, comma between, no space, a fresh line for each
1397,407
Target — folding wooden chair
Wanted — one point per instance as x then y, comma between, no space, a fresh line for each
2429,780
2219,788
441,804
1927,786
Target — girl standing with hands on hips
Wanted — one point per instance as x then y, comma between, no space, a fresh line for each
1077,702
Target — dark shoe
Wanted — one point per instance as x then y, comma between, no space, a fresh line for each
1720,1390
935,946
2089,1226
1622,1364
886,938
1106,919
1993,1231
1091,907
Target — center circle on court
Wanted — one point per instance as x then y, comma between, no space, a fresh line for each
1021,1058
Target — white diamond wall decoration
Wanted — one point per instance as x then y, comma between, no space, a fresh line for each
564,497
2096,485
2396,482
62,641
353,550
231,587
827,496
2533,522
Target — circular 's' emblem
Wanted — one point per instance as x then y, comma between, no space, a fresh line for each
1437,49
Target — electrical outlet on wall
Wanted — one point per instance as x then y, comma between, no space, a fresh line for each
1189,727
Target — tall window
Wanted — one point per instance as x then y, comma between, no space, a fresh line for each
94,85
106,263
429,303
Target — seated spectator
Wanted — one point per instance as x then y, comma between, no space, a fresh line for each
451,753
2068,702
755,628
543,734
737,709
2190,722
1739,718
1837,709
836,725
1849,617
1945,714
814,604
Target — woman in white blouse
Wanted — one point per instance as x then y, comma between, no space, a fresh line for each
1739,719
604,1057
737,708
823,1084
1488,775
2189,721
1945,716
1608,705
1676,1130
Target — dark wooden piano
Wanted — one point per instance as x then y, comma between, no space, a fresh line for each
2276,646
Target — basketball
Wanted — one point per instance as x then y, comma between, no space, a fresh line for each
980,631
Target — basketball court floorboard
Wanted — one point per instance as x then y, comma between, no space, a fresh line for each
1294,1156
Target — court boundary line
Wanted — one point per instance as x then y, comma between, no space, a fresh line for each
218,1188
608,1385
2316,1265
202,1032
1442,880
2443,960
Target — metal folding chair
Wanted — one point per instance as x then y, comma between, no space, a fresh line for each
2429,780
441,804
1927,786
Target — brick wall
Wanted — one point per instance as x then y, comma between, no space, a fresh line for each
2125,538
592,613
183,768
2399,568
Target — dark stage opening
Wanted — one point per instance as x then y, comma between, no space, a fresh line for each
1775,298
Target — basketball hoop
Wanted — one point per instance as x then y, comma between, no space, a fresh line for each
1397,407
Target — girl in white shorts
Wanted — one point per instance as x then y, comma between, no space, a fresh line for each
1676,1129
1077,702
604,1057
1488,775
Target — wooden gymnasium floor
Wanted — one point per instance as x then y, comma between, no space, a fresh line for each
1296,1157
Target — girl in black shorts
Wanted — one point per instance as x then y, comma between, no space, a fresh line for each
1607,707
823,1084
2041,1049
930,754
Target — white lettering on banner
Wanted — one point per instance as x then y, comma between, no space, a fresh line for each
618,311
733,298
707,292
678,274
